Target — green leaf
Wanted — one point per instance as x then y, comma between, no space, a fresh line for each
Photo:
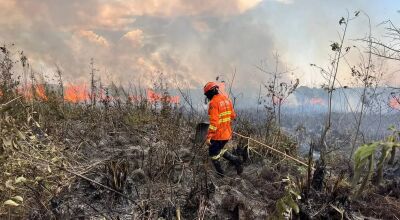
20,179
17,198
280,208
364,152
10,203
361,157
292,204
392,128
9,184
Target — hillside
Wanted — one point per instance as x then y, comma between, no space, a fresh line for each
77,161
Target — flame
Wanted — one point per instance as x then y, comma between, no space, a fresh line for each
76,93
173,99
276,100
41,92
29,91
79,93
153,96
317,101
394,103
156,97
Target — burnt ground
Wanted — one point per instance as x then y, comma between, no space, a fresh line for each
162,179
144,165
187,181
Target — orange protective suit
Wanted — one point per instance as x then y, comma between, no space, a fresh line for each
221,113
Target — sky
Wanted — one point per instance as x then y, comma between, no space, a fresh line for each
189,41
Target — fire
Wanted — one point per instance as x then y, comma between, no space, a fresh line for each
157,97
153,96
80,94
41,92
29,91
317,101
76,93
276,100
173,99
394,103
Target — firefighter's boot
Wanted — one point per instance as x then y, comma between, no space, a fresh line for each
235,160
218,167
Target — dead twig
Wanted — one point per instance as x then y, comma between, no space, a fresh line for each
9,102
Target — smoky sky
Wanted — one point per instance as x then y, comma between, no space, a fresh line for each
191,42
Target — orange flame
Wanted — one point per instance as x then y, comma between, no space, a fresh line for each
41,92
79,93
317,101
76,93
153,96
394,103
173,99
276,100
156,97
29,91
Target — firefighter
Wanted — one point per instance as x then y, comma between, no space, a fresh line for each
221,114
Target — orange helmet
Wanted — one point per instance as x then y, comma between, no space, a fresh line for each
209,86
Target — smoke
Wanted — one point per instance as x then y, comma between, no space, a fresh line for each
191,42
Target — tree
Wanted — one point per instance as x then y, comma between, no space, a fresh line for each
389,49
330,74
278,89
367,74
